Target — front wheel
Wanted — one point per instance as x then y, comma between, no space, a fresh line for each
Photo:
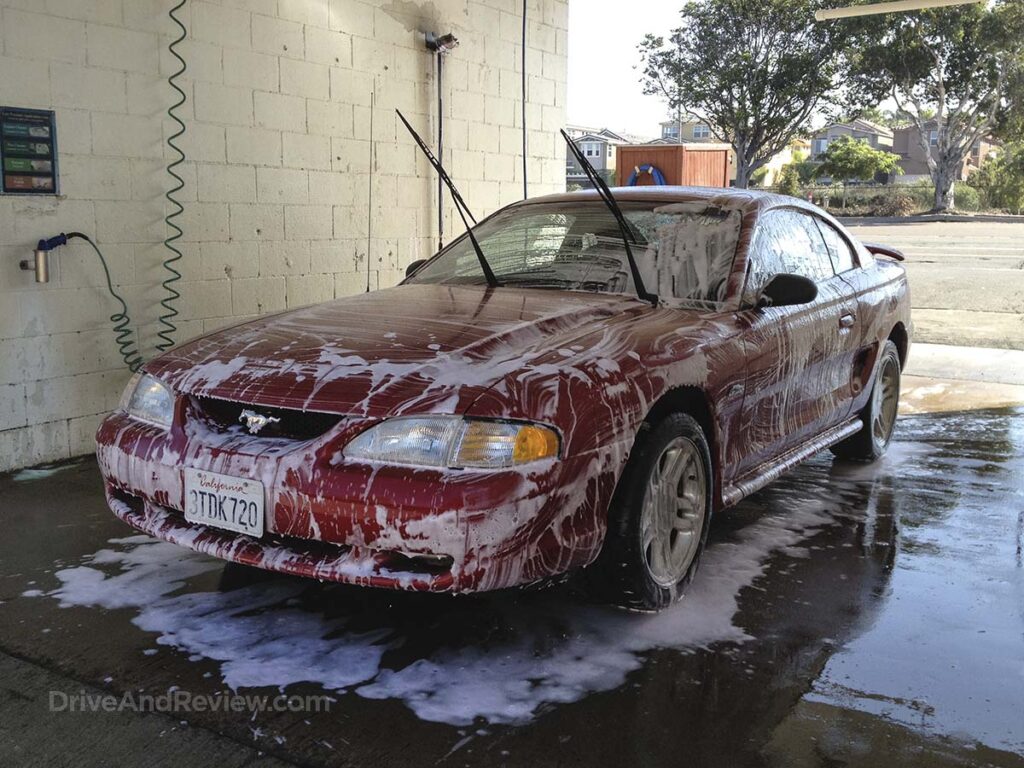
879,414
658,522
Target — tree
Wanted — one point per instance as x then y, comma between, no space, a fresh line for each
789,180
948,69
753,70
1010,123
890,118
757,177
1001,180
848,158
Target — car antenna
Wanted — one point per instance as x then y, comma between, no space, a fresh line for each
627,234
460,204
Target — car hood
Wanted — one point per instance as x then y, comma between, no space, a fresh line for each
409,349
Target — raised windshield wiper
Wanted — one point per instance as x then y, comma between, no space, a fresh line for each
627,234
460,204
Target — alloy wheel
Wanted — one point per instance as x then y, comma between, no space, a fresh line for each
674,512
886,401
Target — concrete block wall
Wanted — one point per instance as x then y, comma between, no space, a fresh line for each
281,161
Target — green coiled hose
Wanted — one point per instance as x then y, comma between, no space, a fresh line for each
165,335
123,334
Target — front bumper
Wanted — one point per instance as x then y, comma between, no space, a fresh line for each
392,527
308,559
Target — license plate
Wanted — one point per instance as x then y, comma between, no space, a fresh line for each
222,501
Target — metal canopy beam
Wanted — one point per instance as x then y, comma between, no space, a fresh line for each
892,7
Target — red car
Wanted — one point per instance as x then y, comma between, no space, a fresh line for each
478,428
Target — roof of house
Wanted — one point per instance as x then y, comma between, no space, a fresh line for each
604,134
864,126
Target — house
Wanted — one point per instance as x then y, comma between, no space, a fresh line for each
685,131
877,136
798,149
598,146
680,131
914,161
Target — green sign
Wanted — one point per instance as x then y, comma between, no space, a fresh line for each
28,151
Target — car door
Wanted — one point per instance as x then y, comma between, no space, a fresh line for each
797,357
826,397
874,299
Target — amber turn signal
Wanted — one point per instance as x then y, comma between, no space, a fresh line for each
533,443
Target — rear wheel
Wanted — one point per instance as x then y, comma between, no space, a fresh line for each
658,522
879,414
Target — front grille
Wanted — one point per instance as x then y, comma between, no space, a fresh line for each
291,424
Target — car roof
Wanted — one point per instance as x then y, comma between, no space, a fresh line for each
746,200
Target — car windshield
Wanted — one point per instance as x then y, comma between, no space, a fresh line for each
684,251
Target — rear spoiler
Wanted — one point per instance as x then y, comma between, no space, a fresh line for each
884,250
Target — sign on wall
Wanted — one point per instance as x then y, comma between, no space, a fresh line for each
28,151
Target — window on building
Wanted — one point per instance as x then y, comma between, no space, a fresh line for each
591,149
670,131
701,131
933,137
820,145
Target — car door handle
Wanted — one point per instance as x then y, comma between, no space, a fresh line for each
847,320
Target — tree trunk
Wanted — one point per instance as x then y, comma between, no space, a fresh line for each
943,177
742,167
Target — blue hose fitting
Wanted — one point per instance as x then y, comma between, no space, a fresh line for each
54,242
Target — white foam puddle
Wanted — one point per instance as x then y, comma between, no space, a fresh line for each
38,473
552,651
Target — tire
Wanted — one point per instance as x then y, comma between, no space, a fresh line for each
878,417
637,569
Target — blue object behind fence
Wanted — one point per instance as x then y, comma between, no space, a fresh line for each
659,177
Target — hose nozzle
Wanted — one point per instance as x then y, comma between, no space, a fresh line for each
41,261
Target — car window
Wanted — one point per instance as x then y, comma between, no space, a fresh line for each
786,241
838,249
684,251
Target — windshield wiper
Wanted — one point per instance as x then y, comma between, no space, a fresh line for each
460,204
627,233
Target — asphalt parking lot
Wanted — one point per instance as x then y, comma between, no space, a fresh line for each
966,277
844,613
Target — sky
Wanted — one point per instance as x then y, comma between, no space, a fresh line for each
604,75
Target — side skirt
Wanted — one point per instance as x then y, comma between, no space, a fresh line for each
759,478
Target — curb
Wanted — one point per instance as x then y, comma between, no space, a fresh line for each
932,217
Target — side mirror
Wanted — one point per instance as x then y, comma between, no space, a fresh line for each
411,269
787,291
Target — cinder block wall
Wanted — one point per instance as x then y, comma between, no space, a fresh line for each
280,166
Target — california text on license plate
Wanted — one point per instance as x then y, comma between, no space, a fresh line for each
222,501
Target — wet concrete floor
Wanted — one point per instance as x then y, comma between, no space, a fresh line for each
846,615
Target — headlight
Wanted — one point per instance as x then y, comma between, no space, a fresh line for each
148,399
451,441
